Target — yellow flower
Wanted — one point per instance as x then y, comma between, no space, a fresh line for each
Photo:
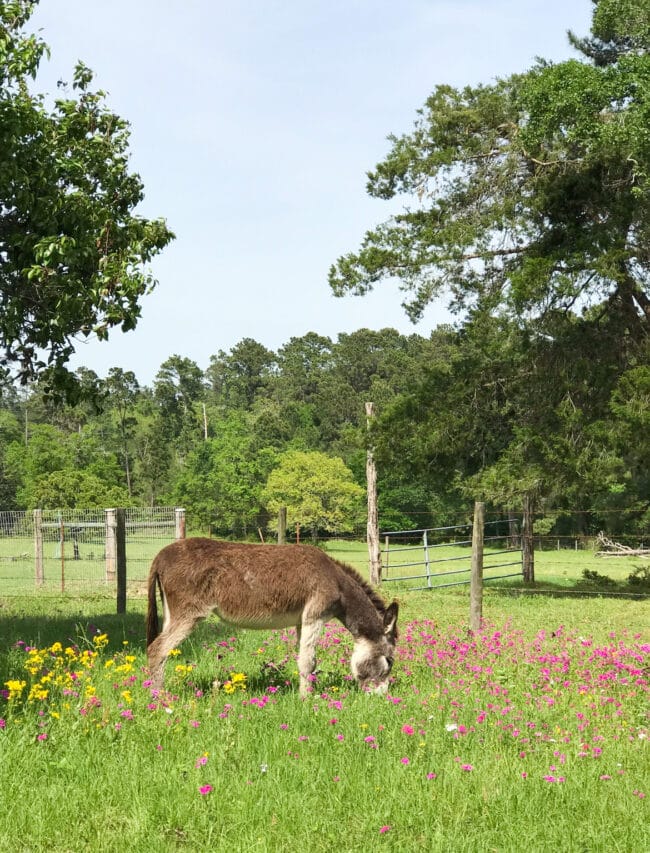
100,641
38,692
174,653
126,695
15,688
236,681
55,648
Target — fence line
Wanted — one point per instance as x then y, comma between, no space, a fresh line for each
73,550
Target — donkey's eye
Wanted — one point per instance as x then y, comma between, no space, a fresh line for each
389,662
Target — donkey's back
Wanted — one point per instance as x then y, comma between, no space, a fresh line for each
255,586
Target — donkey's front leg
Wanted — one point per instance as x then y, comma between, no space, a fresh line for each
308,634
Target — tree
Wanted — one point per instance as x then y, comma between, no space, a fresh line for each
528,195
318,491
529,202
223,478
238,377
68,489
73,254
123,389
178,388
10,431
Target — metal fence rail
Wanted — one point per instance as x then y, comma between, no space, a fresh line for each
504,544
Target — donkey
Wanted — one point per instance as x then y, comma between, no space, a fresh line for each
268,586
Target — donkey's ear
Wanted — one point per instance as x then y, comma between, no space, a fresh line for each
390,618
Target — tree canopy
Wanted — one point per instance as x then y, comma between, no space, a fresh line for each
74,254
527,204
528,195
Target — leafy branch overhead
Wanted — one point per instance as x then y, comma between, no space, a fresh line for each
73,254
529,194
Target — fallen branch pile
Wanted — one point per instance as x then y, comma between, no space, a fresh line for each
615,549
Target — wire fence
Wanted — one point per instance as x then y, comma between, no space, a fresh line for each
74,551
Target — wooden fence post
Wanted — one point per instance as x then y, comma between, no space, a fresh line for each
179,515
62,546
476,583
120,554
374,550
110,545
282,525
527,546
39,576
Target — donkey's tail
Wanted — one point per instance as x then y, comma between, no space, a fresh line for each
153,628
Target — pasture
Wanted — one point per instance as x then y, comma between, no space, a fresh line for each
536,729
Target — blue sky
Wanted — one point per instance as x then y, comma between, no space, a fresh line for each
253,126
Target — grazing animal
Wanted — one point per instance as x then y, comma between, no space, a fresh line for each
268,586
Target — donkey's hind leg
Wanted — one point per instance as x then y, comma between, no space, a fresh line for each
308,634
172,635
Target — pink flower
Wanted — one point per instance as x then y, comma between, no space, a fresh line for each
384,829
467,767
201,761
432,775
42,736
205,789
408,730
405,760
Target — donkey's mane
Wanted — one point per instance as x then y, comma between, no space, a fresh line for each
377,600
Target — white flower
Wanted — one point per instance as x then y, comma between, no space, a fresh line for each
451,727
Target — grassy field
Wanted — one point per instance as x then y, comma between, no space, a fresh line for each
532,733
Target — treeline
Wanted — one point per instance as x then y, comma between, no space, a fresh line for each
490,410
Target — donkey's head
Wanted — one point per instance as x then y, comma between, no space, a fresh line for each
372,660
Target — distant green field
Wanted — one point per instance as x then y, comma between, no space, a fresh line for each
86,574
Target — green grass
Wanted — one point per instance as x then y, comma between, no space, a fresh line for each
86,574
549,683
